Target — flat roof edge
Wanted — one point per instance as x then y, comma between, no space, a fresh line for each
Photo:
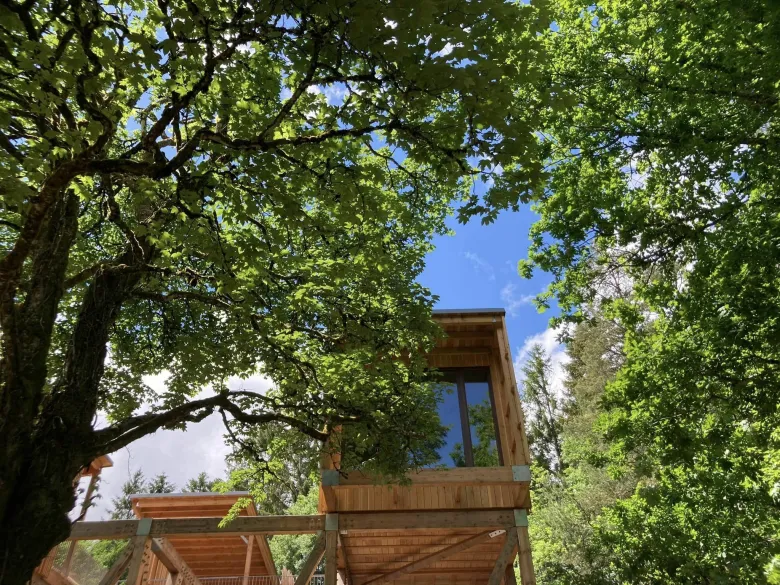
187,494
490,311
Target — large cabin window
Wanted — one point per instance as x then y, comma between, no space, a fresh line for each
468,413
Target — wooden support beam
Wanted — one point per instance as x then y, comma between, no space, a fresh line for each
244,525
331,546
523,452
122,529
312,561
527,576
248,562
265,552
435,557
172,560
139,561
452,476
118,567
262,544
509,575
329,479
435,519
504,557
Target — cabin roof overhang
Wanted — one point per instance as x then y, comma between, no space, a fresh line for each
210,556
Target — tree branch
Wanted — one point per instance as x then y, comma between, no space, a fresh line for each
181,294
115,437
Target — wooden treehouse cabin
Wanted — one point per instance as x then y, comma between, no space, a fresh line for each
461,522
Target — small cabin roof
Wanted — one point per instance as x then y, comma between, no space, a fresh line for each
96,465
211,556
188,504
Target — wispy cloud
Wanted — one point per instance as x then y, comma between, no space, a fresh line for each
514,301
480,265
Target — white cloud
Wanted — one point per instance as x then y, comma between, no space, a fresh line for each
336,93
512,301
181,455
554,349
481,265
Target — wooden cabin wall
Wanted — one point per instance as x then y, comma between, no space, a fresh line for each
429,497
473,341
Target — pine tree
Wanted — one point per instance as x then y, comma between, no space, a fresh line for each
543,411
200,483
160,485
122,506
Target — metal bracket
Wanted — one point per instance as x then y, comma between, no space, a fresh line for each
521,473
496,533
144,527
521,518
331,521
330,477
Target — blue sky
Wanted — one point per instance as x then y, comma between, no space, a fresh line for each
477,268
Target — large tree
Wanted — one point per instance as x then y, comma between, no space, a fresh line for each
664,166
214,188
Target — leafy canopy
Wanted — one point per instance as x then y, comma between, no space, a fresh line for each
216,188
254,189
662,148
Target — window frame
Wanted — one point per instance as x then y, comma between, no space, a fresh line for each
465,424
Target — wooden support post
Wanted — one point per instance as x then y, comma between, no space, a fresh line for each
314,559
330,478
331,547
139,562
527,576
118,567
141,545
435,557
509,575
504,557
248,561
513,397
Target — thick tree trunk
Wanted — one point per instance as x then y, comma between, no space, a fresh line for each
47,436
36,518
35,477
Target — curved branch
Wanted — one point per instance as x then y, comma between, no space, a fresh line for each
116,436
